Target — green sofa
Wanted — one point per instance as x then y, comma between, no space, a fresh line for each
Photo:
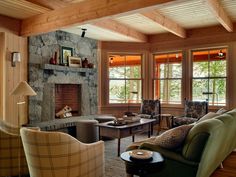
207,144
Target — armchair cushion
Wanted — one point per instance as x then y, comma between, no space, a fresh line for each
173,138
209,115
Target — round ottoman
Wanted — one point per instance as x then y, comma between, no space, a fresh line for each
87,131
104,118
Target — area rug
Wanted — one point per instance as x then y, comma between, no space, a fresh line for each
114,166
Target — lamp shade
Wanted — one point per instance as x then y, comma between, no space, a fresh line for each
23,89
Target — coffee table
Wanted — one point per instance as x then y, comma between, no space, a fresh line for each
142,167
122,131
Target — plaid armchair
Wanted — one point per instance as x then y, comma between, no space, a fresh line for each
51,154
10,150
150,108
193,110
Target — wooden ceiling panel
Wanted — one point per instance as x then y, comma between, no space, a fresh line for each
20,9
190,14
141,23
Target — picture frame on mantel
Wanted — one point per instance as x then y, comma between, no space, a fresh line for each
66,52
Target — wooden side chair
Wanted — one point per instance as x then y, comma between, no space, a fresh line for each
51,154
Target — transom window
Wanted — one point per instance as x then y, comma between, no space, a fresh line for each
209,76
168,77
125,78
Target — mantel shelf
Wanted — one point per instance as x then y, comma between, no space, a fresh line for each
68,69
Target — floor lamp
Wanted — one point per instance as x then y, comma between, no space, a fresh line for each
21,90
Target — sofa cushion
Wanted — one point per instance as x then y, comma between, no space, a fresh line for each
209,115
221,111
173,138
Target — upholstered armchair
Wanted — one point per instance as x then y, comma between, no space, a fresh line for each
193,110
12,156
51,154
150,108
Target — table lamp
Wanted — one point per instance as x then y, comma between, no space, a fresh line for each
22,89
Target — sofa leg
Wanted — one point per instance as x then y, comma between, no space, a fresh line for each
221,165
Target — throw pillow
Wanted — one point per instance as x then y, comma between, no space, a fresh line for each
209,115
173,138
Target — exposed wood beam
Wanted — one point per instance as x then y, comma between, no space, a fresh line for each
54,4
220,14
166,23
86,11
121,29
9,24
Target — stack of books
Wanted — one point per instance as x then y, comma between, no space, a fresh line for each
131,119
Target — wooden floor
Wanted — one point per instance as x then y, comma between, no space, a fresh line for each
229,169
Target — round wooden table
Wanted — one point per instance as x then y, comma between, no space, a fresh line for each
142,167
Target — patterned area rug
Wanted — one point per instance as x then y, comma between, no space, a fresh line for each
114,166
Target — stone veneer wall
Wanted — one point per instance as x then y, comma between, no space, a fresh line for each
41,49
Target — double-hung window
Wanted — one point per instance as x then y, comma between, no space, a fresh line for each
168,77
125,78
209,76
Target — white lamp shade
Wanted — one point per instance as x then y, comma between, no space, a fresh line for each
23,89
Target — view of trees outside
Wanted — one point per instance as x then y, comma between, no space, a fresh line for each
125,84
209,76
168,77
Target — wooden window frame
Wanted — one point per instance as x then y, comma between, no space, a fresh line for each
208,78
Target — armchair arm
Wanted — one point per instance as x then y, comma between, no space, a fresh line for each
167,153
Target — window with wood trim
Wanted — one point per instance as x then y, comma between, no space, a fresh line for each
168,77
209,76
125,78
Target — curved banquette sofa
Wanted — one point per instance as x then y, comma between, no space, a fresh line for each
205,147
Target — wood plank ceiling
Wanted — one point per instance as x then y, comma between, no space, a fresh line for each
120,20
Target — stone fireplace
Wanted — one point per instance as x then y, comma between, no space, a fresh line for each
47,79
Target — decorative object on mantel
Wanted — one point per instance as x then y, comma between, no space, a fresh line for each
85,63
66,52
90,65
65,112
75,62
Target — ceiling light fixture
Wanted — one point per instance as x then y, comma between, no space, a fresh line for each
83,32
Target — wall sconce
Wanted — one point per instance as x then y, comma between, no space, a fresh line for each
15,58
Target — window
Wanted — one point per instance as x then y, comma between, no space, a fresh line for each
209,76
168,77
125,80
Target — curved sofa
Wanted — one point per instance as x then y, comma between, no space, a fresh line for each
207,144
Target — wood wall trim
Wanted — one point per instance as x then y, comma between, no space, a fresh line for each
2,78
86,11
11,25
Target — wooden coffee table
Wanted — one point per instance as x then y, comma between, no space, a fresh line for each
122,131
